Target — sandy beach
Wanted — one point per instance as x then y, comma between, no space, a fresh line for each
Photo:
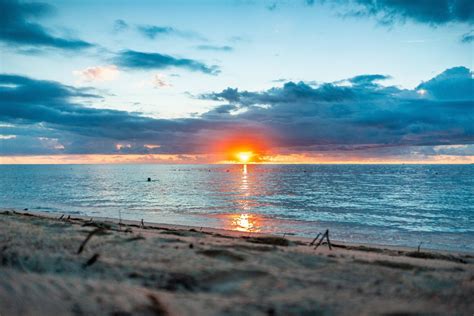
80,266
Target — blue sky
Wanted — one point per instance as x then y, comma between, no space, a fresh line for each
162,60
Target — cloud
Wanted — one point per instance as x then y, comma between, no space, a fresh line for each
18,29
224,48
159,81
35,110
149,61
468,37
120,25
98,73
454,84
155,31
365,80
362,113
388,12
152,31
357,116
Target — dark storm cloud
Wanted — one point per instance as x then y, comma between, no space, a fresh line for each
357,114
360,111
54,115
433,12
17,27
454,84
149,61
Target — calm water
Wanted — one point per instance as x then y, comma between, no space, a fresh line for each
385,204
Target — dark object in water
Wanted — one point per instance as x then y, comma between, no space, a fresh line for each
149,180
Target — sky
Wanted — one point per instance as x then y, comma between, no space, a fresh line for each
302,81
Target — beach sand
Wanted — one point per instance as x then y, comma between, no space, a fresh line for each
73,266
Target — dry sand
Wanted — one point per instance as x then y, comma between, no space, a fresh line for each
168,270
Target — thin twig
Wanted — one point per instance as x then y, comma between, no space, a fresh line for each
92,233
419,246
91,261
329,242
120,220
321,240
314,240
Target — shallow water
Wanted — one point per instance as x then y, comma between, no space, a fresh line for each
385,204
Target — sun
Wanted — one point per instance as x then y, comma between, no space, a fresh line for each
244,156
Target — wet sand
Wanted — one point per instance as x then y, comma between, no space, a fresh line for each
74,266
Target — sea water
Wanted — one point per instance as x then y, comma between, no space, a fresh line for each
402,205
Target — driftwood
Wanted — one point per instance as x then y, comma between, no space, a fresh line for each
91,261
92,233
325,235
314,240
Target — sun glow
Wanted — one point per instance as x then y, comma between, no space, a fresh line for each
244,156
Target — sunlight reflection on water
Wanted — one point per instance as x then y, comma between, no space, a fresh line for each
393,204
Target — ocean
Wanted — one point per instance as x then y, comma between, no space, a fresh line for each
400,205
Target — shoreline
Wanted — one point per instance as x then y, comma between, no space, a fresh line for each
226,233
235,233
74,266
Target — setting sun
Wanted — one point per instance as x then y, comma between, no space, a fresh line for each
245,156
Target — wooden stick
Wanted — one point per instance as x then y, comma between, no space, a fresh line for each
314,240
83,244
327,238
91,261
321,240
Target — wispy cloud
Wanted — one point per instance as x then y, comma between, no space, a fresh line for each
224,48
120,25
98,73
156,31
468,37
160,81
151,61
